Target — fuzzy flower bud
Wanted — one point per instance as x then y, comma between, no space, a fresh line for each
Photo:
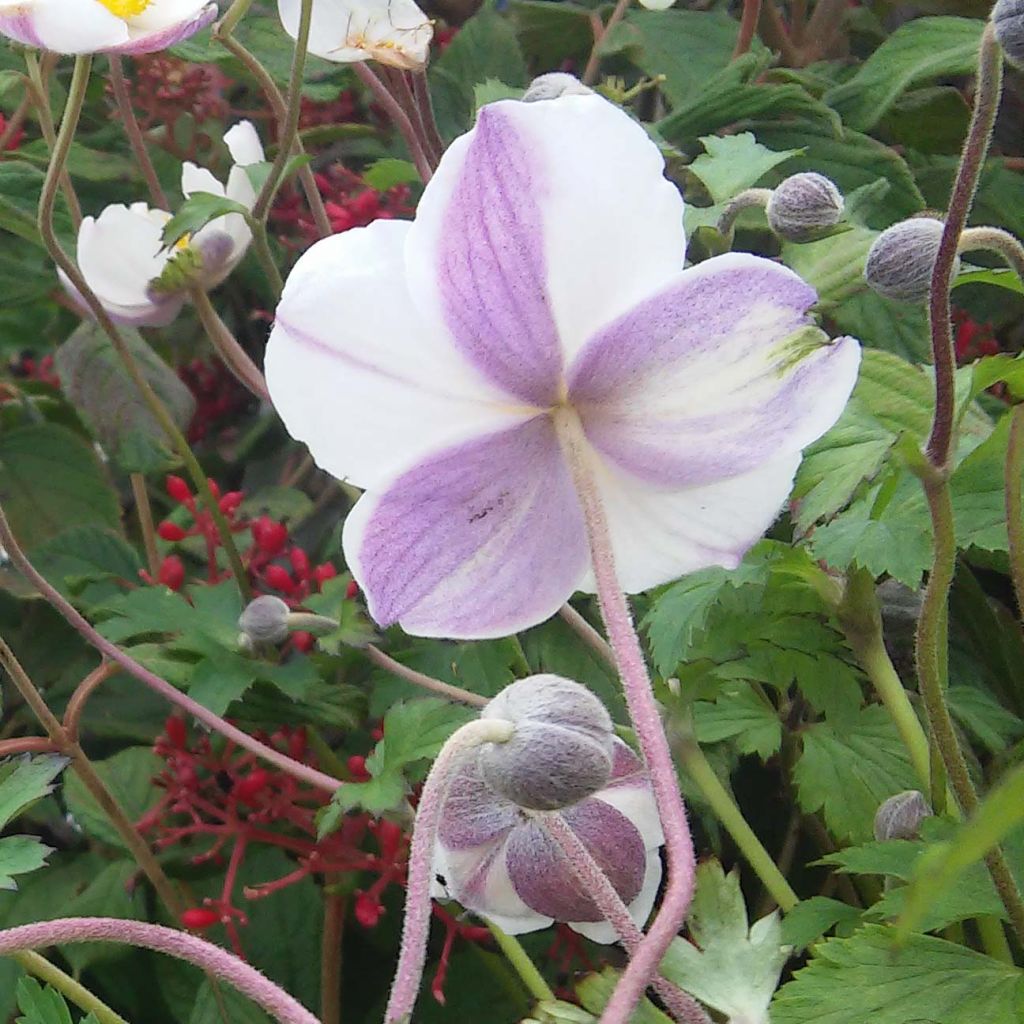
561,750
265,620
1008,22
803,206
902,258
901,815
553,85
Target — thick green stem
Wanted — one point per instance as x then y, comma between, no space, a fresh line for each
58,160
697,768
78,994
522,964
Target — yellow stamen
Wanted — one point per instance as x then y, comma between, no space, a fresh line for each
126,8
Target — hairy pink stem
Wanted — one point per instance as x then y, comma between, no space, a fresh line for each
160,686
416,927
218,962
643,710
681,1005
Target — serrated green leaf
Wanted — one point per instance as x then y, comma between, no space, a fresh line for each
738,713
734,163
846,773
414,731
734,966
864,980
1007,279
41,1005
810,919
25,780
20,855
389,172
920,51
196,212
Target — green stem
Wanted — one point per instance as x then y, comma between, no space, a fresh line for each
145,513
261,243
330,955
78,994
861,623
697,768
235,358
289,130
522,964
58,160
1015,503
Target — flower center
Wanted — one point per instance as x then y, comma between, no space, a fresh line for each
126,8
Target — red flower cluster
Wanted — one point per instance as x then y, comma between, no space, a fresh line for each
220,398
349,203
166,88
219,801
972,340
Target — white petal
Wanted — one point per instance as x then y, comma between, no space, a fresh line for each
244,144
162,13
357,374
120,252
199,179
659,534
612,223
75,26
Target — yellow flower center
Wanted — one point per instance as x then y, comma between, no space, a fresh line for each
126,8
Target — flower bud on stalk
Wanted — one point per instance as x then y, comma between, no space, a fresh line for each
902,258
901,815
1008,22
803,206
265,620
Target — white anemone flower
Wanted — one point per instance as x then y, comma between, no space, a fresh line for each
103,26
394,32
122,256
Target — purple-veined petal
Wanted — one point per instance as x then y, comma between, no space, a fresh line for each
154,30
481,540
713,376
474,815
659,534
544,878
629,792
566,215
640,909
355,372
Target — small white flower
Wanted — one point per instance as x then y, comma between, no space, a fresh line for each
394,32
103,26
122,256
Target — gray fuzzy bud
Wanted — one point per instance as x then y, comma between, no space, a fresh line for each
561,750
902,258
1008,22
901,815
553,85
265,620
803,206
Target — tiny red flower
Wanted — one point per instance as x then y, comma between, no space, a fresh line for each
172,572
197,919
178,489
170,531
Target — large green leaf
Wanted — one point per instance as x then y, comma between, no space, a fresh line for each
44,1005
50,481
864,980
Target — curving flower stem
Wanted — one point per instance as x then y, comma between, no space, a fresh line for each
41,968
747,199
979,134
47,199
996,240
601,31
289,129
180,945
146,527
1014,502
61,738
643,710
416,926
683,1007
401,119
131,129
236,359
158,685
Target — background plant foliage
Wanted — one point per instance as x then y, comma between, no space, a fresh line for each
756,665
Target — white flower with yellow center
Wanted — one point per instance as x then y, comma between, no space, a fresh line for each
103,26
139,280
394,32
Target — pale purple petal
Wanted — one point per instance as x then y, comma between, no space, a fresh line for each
488,265
481,540
474,815
698,383
168,35
544,878
20,27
